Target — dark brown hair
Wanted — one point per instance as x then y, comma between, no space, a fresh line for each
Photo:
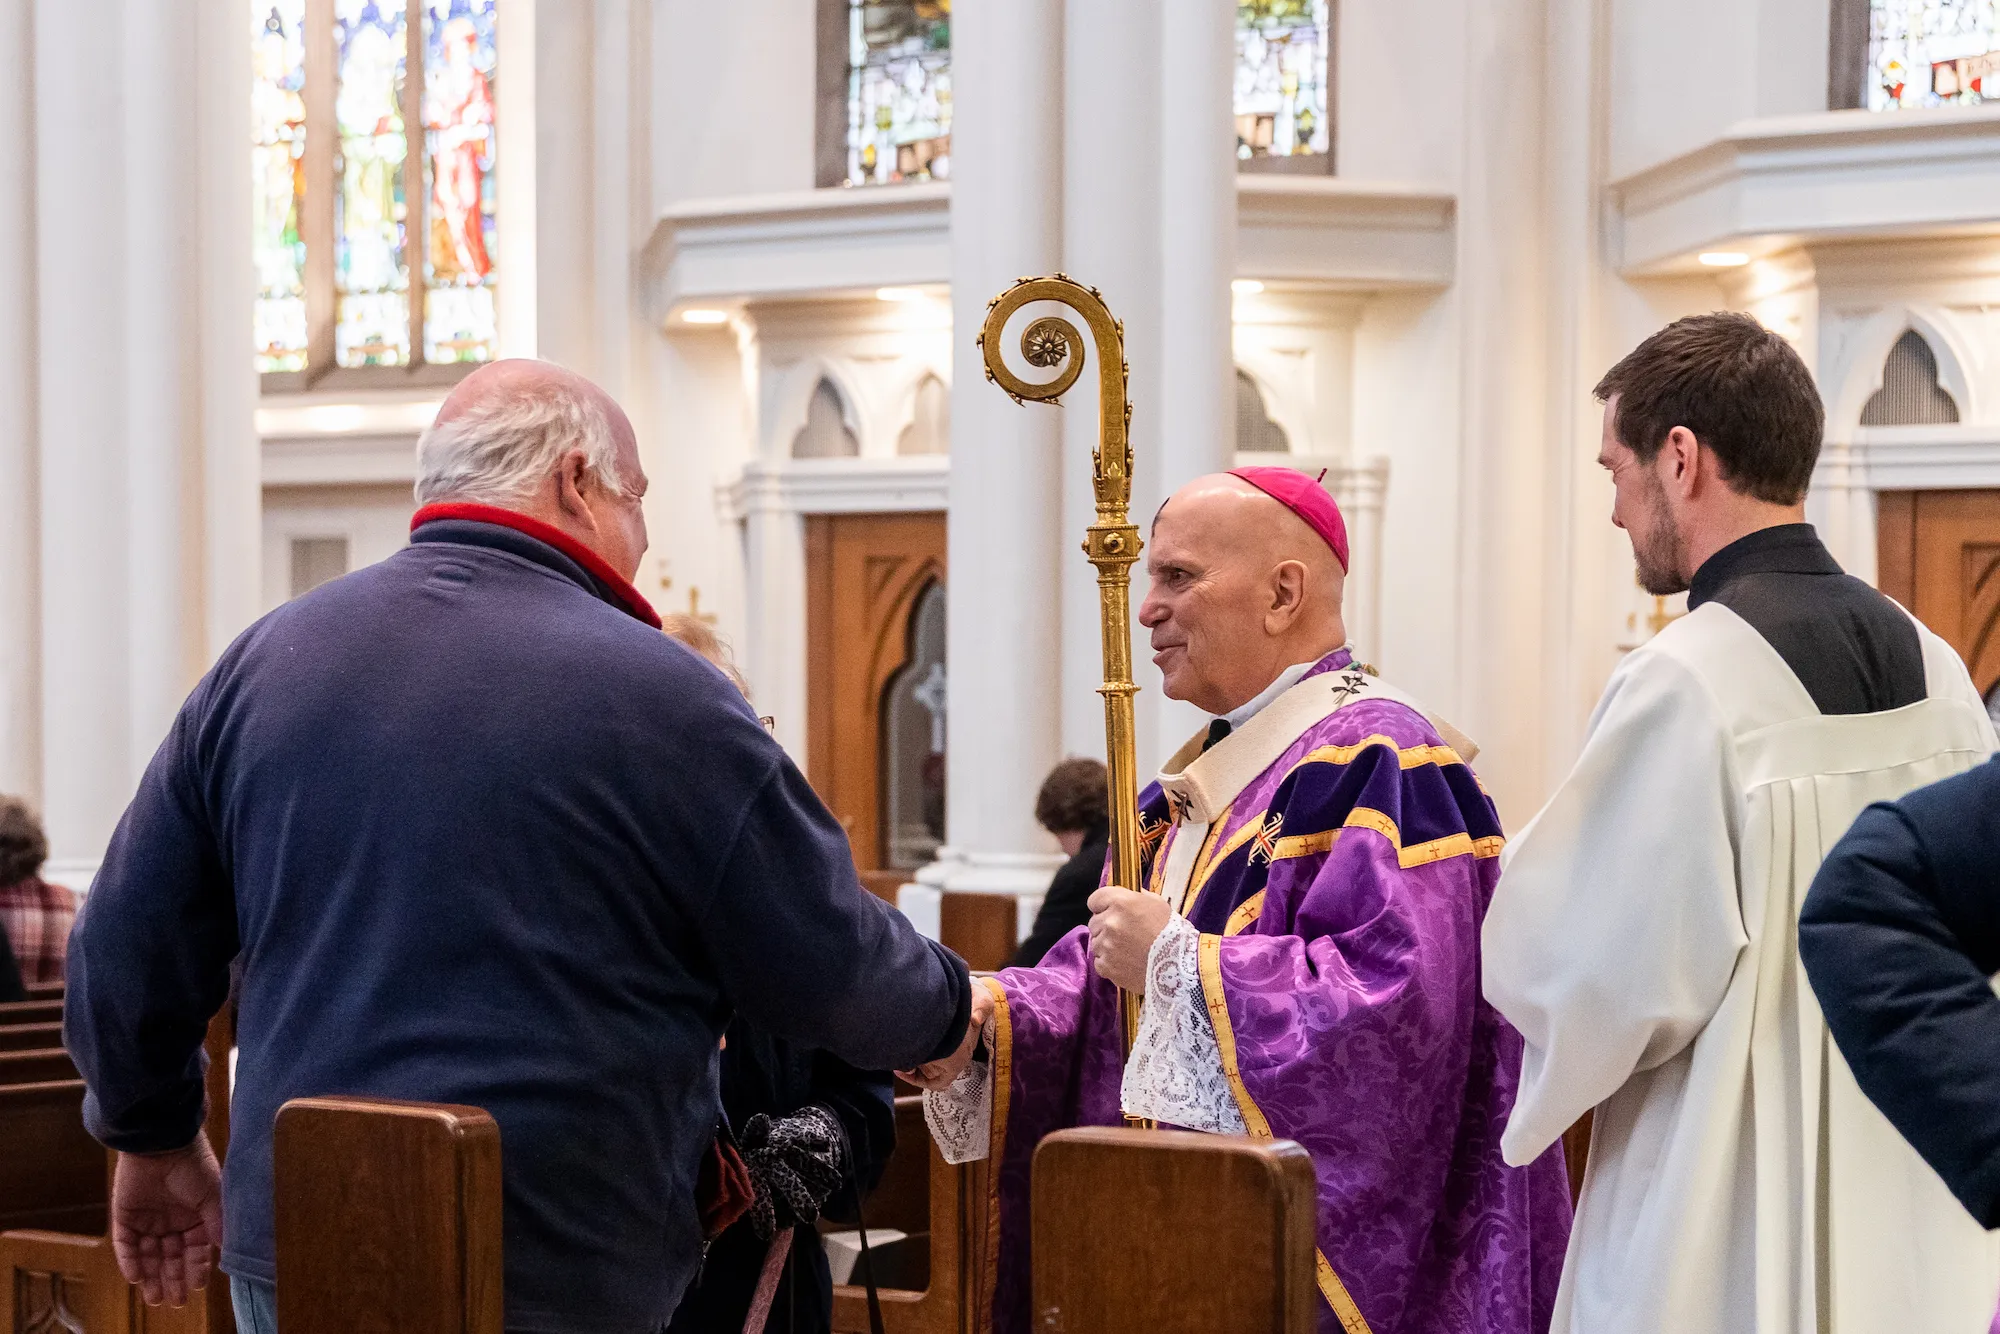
1737,387
1073,797
23,846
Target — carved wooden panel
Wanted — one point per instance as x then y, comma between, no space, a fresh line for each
47,1303
1939,555
865,575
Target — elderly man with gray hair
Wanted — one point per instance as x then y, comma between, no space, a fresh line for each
480,834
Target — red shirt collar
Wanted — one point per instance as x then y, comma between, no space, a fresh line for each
630,599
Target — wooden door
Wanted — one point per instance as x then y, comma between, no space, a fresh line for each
875,685
1939,555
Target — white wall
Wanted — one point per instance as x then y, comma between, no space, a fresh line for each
736,106
1683,73
1400,90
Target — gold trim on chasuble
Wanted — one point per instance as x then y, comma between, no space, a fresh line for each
1003,1092
1211,857
1210,957
1246,915
1421,854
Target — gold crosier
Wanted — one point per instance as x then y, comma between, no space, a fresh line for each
1112,543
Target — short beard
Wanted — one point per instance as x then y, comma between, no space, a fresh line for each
1663,560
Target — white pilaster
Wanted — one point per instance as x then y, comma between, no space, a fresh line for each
144,436
1195,394
1149,216
20,601
1005,538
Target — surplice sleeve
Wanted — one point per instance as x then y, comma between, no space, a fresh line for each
1616,923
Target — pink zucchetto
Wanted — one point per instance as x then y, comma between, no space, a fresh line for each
1304,497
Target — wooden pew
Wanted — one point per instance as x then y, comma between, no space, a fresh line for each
1576,1154
68,1279
44,990
1167,1232
922,1195
980,928
388,1218
59,1281
52,1175
31,1012
40,1066
30,1037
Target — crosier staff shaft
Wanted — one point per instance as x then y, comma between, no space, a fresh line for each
1112,544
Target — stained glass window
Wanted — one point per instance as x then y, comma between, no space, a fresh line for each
898,91
278,170
459,323
1282,78
372,319
1926,53
374,135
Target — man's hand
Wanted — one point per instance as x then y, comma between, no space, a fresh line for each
166,1221
937,1076
1123,927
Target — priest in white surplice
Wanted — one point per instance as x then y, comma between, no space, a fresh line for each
1644,936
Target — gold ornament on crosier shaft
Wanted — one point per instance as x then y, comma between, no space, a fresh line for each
1112,543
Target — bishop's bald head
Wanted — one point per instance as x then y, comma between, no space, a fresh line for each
1242,588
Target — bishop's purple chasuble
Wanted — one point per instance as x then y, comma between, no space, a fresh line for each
1339,898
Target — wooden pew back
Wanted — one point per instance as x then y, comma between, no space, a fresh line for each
388,1218
68,1279
922,1195
31,1012
1166,1232
41,1066
52,1172
981,928
31,1037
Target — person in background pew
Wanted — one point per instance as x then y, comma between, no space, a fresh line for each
35,914
1072,806
10,975
813,1131
482,835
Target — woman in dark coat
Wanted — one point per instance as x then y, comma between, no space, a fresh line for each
763,1077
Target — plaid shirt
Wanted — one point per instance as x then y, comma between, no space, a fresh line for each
37,916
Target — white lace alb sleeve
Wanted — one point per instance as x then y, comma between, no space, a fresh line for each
961,1117
1175,1075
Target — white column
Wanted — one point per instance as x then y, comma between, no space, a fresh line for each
1196,390
1005,539
1360,490
147,497
20,602
1149,216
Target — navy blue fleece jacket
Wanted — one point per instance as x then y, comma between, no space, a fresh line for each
481,836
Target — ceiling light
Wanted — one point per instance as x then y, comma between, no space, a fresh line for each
1724,259
705,316
1246,287
898,294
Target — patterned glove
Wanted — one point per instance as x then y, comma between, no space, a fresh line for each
795,1163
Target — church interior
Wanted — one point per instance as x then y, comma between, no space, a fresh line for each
1391,245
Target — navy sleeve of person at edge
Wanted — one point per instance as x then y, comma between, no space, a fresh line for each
161,921
1899,937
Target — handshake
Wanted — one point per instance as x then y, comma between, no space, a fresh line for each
1123,926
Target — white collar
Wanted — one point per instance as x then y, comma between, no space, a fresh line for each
1286,679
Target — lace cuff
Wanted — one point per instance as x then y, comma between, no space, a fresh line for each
1175,1075
961,1117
